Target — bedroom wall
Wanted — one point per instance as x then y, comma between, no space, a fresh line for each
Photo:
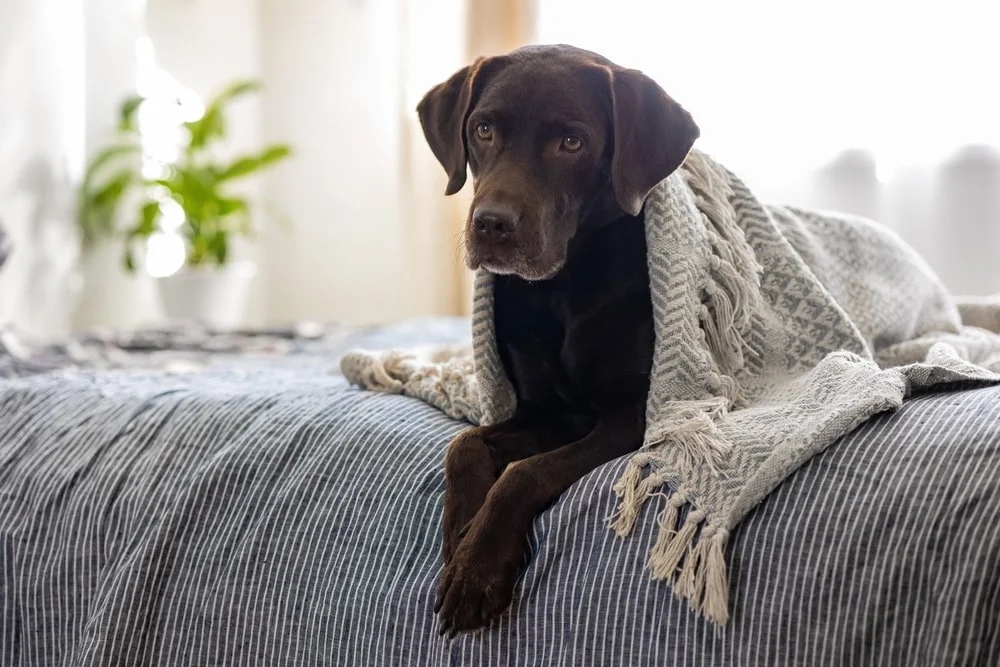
332,72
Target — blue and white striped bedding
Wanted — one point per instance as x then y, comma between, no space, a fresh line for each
262,512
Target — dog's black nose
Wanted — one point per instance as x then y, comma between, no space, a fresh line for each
493,223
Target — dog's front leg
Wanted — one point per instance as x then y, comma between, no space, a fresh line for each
478,581
477,456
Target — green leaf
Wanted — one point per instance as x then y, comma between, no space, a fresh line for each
249,164
218,246
104,157
212,125
97,205
111,192
193,187
148,215
96,225
170,183
199,250
229,206
128,261
127,113
234,90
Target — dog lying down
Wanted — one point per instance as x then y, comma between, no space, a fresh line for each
632,294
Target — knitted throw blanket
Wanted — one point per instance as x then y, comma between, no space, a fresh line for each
778,331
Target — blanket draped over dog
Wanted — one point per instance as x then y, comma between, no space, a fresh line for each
778,330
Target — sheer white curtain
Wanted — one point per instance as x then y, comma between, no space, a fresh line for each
884,108
41,146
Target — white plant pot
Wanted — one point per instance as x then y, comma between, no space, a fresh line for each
109,297
216,296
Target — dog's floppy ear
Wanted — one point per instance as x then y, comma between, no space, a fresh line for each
443,112
653,134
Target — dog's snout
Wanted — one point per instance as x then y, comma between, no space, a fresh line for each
493,223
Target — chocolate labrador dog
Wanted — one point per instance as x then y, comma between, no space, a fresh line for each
563,146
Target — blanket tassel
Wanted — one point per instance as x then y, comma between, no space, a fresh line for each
715,605
697,560
633,492
691,580
670,548
668,526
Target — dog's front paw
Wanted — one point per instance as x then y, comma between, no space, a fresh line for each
475,587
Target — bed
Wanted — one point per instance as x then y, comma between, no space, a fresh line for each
178,497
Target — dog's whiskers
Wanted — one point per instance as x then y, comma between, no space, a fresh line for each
462,248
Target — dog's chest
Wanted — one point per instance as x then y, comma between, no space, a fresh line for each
569,339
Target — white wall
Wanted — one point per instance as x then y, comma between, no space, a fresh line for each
334,91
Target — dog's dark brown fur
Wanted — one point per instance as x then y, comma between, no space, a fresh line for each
563,146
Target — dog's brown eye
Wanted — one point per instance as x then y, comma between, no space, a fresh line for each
571,144
484,131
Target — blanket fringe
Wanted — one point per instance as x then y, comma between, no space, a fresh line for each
382,372
713,195
633,491
691,581
715,605
732,293
695,562
668,523
690,428
669,549
441,375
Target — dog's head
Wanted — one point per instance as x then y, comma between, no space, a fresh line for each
557,138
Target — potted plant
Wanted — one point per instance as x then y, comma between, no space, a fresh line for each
162,188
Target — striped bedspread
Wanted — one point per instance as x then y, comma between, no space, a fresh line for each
261,512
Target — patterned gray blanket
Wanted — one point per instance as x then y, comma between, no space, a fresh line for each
208,500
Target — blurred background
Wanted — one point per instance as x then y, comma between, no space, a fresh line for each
131,191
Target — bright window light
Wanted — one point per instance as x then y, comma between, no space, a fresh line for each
164,254
172,215
167,106
784,85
